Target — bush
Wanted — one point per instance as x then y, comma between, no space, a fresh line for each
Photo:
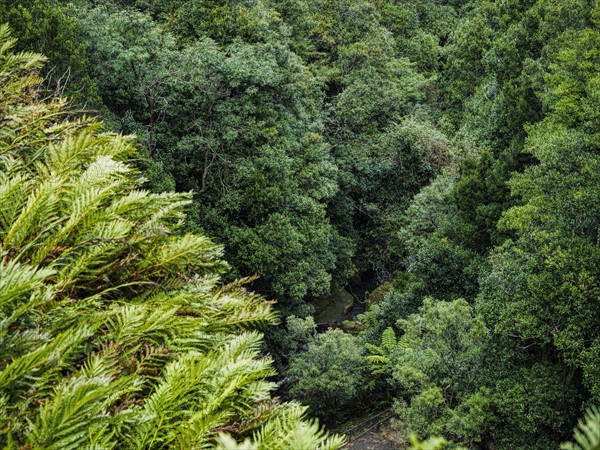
330,375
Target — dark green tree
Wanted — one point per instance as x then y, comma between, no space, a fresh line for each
330,375
242,127
46,26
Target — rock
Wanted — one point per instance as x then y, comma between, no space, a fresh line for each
379,293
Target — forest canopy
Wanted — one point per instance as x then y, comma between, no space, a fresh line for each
427,167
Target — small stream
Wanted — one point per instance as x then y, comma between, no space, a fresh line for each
346,303
361,285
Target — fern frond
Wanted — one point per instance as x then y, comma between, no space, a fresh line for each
288,430
434,443
18,282
14,190
167,214
587,434
52,353
40,213
388,340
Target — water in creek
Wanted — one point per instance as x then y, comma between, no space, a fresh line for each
347,303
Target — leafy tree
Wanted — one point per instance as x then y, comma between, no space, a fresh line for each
322,29
481,195
381,146
240,126
534,398
434,367
420,28
284,343
434,443
225,21
432,212
492,88
431,239
115,333
329,375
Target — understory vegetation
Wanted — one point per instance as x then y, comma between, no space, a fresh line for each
436,160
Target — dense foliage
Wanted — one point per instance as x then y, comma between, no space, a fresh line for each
446,150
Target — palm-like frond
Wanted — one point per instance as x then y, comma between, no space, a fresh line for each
379,355
434,443
587,434
285,430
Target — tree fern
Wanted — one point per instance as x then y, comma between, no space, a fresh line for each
379,356
115,331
